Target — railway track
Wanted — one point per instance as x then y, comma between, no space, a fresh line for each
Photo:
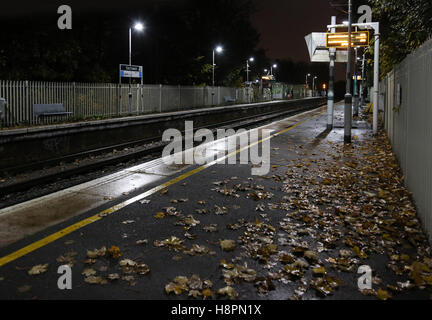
10,188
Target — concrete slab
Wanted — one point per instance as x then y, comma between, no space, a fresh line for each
302,209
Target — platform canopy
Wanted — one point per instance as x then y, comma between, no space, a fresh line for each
318,51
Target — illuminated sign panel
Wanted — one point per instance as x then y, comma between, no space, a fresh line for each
340,39
268,78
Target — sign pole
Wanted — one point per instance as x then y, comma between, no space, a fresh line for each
376,78
130,71
348,96
247,81
142,93
356,100
363,81
130,79
330,98
213,79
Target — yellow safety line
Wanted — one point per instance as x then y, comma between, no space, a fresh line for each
81,224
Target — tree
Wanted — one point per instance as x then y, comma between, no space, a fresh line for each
404,26
175,48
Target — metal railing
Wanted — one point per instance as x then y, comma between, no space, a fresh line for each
105,100
406,96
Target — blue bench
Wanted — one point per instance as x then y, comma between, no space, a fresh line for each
55,109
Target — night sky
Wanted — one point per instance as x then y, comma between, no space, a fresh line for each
283,24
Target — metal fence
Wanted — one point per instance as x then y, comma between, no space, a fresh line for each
406,95
87,100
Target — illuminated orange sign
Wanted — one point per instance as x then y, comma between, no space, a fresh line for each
340,39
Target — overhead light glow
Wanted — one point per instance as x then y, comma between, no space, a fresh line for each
139,26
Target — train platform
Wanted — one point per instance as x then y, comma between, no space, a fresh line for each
36,148
324,212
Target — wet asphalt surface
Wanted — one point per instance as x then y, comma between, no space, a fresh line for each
137,222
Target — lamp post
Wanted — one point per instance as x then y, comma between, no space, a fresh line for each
247,68
307,83
138,27
247,77
307,77
356,100
363,80
348,95
313,86
330,94
273,67
218,49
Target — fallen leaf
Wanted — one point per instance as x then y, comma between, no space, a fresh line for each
321,271
24,288
38,269
113,276
96,253
159,215
383,294
93,280
142,269
127,263
207,294
89,272
115,252
210,228
227,245
228,291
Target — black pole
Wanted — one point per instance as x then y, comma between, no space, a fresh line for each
348,96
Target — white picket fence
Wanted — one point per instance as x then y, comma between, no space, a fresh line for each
87,100
406,97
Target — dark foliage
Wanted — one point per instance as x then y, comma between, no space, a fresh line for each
175,48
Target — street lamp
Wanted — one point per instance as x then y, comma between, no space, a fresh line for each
251,59
273,67
313,86
307,76
138,27
218,49
247,68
